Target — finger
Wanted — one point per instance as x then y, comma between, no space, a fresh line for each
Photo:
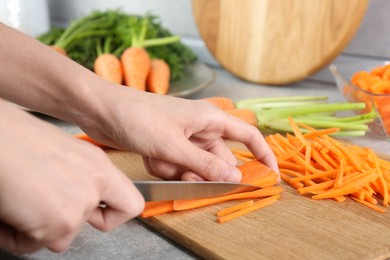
17,243
123,201
219,148
163,169
63,243
191,176
207,165
249,135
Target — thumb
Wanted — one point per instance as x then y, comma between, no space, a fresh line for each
205,164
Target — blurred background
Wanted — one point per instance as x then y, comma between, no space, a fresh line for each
371,42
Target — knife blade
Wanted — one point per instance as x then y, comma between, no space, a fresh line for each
181,190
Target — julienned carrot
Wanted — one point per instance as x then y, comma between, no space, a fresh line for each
85,137
158,77
136,65
335,169
257,205
227,211
192,204
153,208
246,115
370,205
253,172
221,102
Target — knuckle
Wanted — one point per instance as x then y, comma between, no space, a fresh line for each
210,168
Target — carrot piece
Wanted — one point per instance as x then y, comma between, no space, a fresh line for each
290,165
339,176
339,198
295,184
316,133
371,206
154,208
109,67
192,204
297,131
222,102
315,175
258,205
246,115
241,152
227,211
308,155
257,174
347,188
136,65
85,137
158,77
243,158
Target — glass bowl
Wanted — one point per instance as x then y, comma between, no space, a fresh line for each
380,103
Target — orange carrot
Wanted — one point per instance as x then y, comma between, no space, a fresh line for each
257,174
227,211
153,208
246,115
370,205
136,66
221,102
259,204
158,77
59,50
197,203
85,137
109,67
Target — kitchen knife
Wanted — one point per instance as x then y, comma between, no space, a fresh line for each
181,190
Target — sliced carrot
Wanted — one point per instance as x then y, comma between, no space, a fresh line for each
370,205
192,204
227,211
153,208
85,137
258,205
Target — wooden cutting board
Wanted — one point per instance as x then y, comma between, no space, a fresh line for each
295,227
274,41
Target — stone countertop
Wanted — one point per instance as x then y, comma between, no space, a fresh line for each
134,240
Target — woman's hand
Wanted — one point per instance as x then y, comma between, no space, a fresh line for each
52,183
179,138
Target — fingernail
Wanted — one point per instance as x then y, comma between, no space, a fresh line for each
233,175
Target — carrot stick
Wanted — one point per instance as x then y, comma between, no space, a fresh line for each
85,137
223,103
347,188
241,152
234,208
316,133
154,208
258,205
158,77
294,184
339,175
192,204
371,206
243,158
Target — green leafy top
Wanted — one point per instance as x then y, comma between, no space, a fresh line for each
82,38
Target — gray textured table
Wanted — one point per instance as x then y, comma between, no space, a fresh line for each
136,241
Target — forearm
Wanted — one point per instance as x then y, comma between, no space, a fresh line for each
38,78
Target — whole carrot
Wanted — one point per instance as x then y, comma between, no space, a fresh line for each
136,66
159,76
107,65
